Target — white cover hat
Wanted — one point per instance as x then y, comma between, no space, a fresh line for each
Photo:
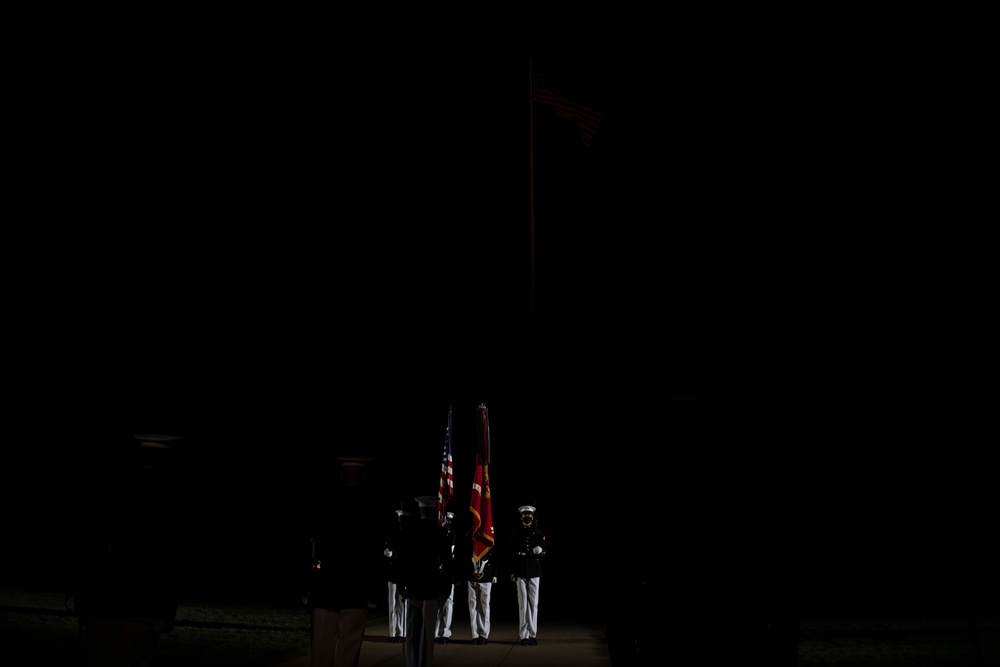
353,461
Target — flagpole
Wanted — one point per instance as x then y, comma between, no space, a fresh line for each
531,197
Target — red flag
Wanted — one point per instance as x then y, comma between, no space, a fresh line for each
587,120
482,513
446,485
481,503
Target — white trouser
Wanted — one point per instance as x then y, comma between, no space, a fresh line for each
442,627
397,610
527,607
479,608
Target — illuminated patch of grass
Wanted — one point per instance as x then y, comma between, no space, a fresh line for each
206,634
913,642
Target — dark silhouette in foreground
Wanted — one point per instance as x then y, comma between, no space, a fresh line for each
128,566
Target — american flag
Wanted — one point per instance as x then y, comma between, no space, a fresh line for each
446,485
481,500
586,119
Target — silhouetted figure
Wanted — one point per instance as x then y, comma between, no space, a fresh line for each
345,575
127,593
428,577
442,628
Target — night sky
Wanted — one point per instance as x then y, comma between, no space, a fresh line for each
732,314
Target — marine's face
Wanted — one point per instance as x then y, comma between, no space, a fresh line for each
352,476
527,518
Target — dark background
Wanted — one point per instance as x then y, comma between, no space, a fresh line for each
757,313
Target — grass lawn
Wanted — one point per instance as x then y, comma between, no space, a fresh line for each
207,633
223,634
915,641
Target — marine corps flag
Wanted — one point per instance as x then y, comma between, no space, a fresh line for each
480,501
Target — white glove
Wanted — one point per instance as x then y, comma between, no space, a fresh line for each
536,550
387,553
494,580
513,578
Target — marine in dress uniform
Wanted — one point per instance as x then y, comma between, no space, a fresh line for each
397,603
442,628
527,549
345,574
130,567
428,576
479,577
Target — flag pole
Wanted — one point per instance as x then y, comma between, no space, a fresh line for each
531,199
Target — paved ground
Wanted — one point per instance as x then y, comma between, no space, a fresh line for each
562,644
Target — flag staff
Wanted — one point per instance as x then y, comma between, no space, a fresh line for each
531,199
587,120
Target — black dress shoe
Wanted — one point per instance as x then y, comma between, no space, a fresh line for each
533,642
444,640
524,642
484,640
